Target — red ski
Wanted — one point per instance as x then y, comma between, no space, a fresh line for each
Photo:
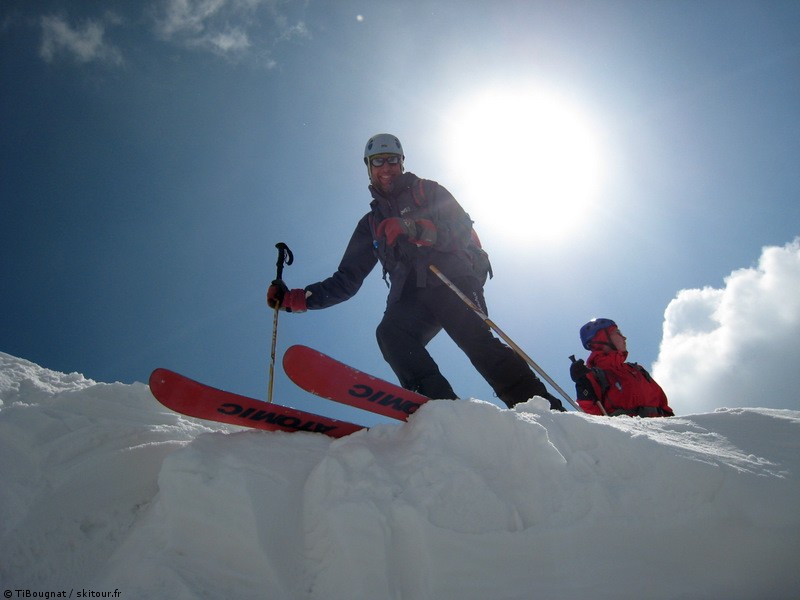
194,399
324,376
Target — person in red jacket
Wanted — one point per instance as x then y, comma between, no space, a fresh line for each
607,384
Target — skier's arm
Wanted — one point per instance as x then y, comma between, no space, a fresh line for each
357,262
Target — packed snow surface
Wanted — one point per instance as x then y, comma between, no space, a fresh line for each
105,490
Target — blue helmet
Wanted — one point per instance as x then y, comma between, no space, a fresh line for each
591,329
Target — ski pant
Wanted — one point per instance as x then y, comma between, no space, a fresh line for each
409,324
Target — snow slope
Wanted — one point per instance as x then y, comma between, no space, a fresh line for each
105,490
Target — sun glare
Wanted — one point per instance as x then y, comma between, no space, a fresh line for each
528,161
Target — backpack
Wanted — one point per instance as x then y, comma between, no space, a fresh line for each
474,253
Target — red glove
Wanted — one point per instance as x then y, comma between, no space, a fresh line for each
275,293
426,233
393,227
295,301
289,300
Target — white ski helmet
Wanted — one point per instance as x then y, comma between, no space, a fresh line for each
382,143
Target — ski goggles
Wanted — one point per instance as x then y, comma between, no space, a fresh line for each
379,161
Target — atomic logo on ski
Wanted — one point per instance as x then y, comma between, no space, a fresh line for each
281,421
324,376
194,399
383,398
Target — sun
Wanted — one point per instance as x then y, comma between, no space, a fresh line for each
529,161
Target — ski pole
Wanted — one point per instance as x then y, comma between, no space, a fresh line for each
505,338
285,256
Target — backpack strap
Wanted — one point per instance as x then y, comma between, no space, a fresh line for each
419,193
375,244
643,371
602,380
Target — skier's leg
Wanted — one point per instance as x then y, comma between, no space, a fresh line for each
403,333
502,368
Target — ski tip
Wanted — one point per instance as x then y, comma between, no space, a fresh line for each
160,378
157,376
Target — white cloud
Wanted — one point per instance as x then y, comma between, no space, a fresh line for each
187,16
290,32
736,346
230,41
84,44
229,28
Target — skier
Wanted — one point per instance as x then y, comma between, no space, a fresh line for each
622,388
413,223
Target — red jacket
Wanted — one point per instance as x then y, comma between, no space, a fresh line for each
623,387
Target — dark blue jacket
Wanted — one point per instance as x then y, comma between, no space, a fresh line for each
456,251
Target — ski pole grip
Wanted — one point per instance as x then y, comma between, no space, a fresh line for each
285,256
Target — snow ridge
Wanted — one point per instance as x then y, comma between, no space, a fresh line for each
104,488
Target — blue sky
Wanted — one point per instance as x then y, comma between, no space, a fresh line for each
619,158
